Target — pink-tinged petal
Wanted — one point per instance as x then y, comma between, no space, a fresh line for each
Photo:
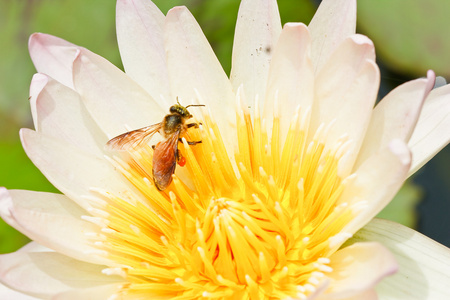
345,93
9,294
193,66
50,219
73,171
53,56
376,182
257,30
424,271
45,274
5,205
358,268
334,21
291,79
6,213
432,131
38,82
111,97
58,112
139,26
395,116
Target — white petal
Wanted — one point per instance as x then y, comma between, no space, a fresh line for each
376,182
111,97
395,116
358,268
98,292
257,30
53,56
424,271
345,92
44,274
319,292
290,77
58,112
73,171
194,66
50,219
370,294
140,37
334,21
432,131
34,247
8,294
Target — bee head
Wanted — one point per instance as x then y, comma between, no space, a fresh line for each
181,110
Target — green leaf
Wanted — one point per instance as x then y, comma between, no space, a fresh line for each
409,35
402,209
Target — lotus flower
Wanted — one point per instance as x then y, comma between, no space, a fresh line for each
294,162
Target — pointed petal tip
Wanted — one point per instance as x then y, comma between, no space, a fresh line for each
24,133
39,77
401,150
177,10
361,39
179,15
38,82
431,83
295,25
431,77
3,193
78,54
334,21
431,74
53,56
299,28
5,204
78,59
35,37
39,38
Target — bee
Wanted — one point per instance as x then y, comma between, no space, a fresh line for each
165,153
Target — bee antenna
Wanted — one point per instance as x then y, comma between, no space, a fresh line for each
195,105
178,101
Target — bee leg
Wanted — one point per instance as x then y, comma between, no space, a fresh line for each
190,142
193,125
180,159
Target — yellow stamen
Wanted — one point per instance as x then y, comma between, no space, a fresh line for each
261,226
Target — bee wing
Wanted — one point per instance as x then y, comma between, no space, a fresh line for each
164,161
133,139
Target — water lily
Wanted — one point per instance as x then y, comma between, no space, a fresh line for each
294,161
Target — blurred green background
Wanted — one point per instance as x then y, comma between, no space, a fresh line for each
411,36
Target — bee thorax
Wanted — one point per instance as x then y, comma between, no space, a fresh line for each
172,123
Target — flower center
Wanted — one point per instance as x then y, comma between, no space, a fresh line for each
260,226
